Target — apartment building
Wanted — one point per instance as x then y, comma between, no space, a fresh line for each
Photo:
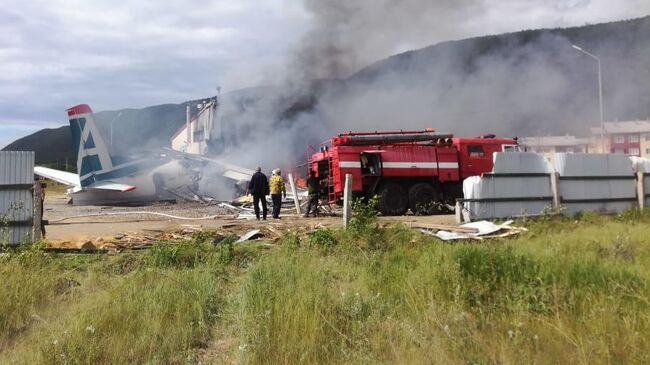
629,137
548,145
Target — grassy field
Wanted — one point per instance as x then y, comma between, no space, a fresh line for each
571,290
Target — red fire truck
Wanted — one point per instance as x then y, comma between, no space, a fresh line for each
417,170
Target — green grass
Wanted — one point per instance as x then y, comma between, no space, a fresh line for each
571,290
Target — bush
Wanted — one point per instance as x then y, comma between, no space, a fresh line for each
323,238
185,254
364,216
209,236
290,242
225,249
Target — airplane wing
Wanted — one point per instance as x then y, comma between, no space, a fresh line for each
109,185
63,177
70,179
236,175
230,171
233,172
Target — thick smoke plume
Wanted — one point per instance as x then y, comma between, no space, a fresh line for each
519,84
348,35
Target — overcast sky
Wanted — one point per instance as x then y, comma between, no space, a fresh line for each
117,54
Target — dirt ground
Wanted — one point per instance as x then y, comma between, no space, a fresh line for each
76,226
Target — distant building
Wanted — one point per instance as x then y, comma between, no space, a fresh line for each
630,137
548,145
204,131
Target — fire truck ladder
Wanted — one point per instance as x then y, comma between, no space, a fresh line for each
331,194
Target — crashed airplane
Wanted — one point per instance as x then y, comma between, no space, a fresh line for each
106,179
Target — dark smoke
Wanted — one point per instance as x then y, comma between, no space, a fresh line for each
525,83
347,35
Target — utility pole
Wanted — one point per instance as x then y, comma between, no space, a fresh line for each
600,95
188,131
114,119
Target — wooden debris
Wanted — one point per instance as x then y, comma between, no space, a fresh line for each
192,227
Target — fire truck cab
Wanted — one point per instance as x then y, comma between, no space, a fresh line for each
416,170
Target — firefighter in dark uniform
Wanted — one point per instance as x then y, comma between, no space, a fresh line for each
313,189
259,188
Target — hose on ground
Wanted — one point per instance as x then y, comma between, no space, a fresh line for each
138,213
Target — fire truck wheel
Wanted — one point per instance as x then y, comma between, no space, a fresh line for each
424,199
393,199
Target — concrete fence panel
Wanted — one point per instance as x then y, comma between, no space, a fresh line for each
596,182
520,185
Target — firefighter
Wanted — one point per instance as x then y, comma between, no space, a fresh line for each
276,184
313,189
259,188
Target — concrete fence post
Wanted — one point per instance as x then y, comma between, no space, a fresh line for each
294,191
555,189
37,212
640,189
347,203
459,211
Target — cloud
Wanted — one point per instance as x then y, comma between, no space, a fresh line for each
130,53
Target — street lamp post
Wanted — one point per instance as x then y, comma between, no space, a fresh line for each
600,95
114,119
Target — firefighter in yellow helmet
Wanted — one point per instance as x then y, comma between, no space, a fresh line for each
276,185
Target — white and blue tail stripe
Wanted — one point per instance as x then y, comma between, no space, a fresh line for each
93,157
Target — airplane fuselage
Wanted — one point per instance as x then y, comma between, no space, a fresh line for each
153,184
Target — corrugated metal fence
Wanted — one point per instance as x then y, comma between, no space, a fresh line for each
16,196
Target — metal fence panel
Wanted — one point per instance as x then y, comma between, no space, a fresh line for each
16,167
16,197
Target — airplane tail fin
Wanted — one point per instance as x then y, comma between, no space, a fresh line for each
93,158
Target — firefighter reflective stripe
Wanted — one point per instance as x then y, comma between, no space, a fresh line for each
405,165
350,164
